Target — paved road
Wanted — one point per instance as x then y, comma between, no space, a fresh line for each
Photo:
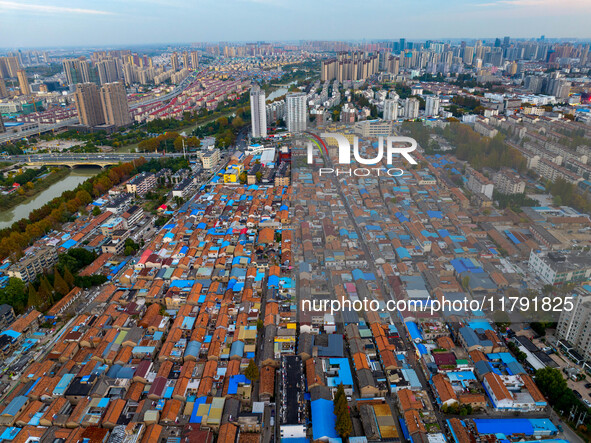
84,158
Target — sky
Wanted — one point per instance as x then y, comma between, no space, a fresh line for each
58,23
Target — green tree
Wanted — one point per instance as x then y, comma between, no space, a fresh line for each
96,211
14,294
252,371
551,383
466,282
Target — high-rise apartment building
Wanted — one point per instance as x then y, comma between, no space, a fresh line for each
349,66
88,104
80,71
468,55
258,112
185,60
23,83
114,103
107,71
390,109
411,108
574,326
432,105
174,61
297,116
194,60
3,90
9,66
73,71
2,127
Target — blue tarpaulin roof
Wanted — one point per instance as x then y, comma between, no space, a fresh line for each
69,244
510,426
323,419
234,381
413,330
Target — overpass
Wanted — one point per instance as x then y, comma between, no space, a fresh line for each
74,160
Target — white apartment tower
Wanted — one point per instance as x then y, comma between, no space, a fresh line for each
258,112
432,105
411,108
390,109
297,116
574,326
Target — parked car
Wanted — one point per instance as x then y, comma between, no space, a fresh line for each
577,394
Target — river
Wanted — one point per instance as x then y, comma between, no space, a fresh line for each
277,93
76,176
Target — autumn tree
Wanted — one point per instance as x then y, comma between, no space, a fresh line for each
237,123
344,425
252,371
34,300
45,291
68,277
178,143
59,284
193,142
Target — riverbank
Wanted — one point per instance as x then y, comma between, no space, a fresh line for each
70,180
25,193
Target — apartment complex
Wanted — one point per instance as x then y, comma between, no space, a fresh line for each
33,264
558,268
479,184
507,181
105,106
210,159
141,183
349,66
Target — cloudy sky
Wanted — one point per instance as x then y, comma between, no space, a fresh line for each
45,23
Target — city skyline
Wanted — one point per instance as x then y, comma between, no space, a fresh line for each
37,23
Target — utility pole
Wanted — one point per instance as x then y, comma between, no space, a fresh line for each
183,135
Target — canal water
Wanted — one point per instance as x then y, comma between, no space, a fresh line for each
73,179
